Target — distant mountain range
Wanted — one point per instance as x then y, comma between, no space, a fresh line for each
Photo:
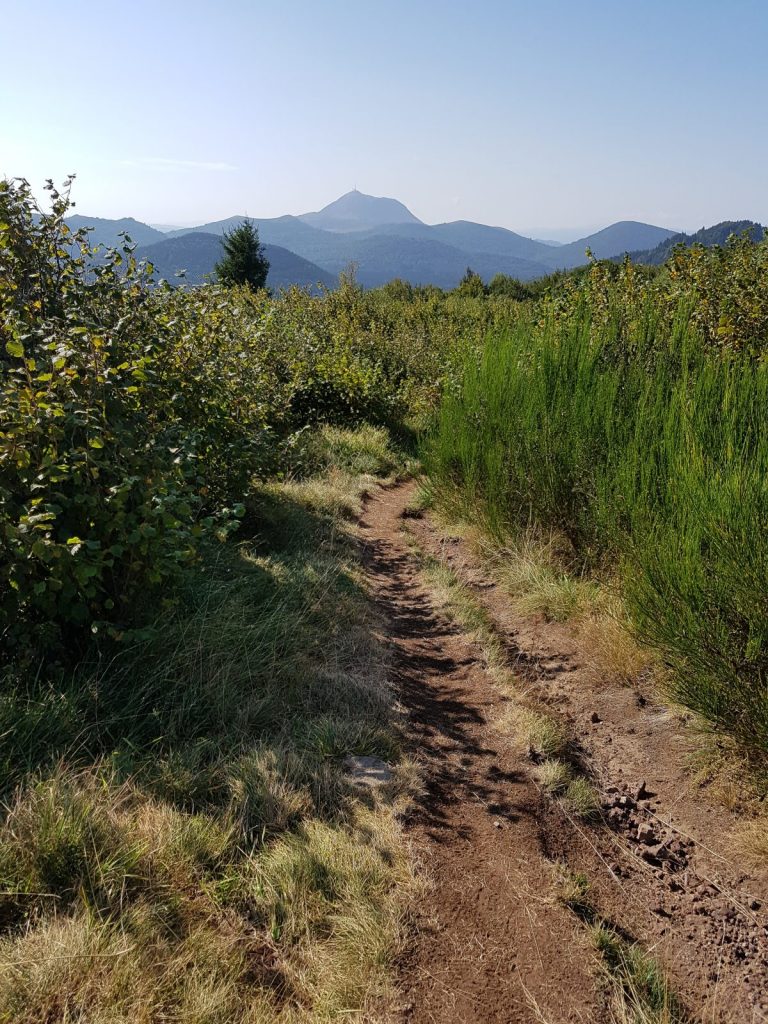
384,240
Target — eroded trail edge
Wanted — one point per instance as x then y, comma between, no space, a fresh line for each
489,944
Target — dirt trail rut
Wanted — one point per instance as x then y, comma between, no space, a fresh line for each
490,943
491,946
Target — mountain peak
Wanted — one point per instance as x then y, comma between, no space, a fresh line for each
356,211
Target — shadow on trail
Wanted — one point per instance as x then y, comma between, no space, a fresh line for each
436,675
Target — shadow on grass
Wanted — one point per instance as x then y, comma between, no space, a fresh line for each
236,663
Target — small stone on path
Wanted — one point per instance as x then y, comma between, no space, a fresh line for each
645,834
368,771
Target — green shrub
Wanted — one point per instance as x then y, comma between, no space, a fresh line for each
105,474
643,439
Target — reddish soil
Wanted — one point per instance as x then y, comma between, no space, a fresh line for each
490,942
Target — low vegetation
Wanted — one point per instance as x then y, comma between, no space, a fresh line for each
638,990
188,654
135,415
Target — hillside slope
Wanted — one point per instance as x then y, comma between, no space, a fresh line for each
198,252
615,240
380,258
718,234
106,231
381,255
471,237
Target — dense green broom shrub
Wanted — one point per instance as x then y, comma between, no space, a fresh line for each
643,439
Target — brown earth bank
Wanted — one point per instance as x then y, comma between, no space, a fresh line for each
490,941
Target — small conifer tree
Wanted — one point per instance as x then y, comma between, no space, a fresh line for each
471,284
243,261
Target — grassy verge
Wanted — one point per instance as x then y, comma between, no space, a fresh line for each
540,576
639,991
539,580
180,840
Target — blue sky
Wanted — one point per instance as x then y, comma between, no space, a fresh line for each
540,116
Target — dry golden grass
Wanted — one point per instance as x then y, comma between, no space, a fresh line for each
303,928
538,733
581,797
576,792
751,840
226,873
534,730
530,573
461,605
738,782
572,889
605,638
337,494
535,572
553,775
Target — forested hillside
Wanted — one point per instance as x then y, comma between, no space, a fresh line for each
196,255
718,234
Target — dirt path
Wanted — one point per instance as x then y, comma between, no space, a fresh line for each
490,943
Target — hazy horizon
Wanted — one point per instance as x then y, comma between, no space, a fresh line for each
551,120
553,234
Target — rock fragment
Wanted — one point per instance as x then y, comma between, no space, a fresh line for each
367,771
646,834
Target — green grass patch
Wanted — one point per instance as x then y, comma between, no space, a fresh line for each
640,991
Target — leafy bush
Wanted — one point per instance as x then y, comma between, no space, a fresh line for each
98,491
177,829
